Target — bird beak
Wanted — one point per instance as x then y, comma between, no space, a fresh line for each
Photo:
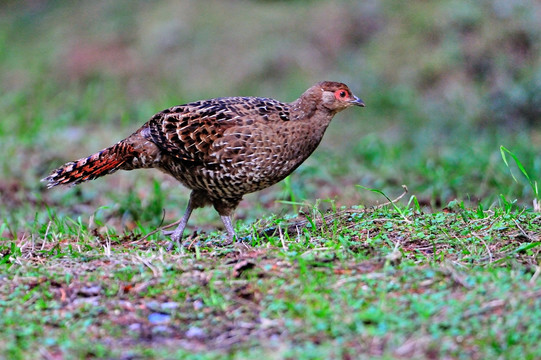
357,101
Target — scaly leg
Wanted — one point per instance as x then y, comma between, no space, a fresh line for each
226,207
176,235
229,228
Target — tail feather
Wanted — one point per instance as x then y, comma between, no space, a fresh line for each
96,165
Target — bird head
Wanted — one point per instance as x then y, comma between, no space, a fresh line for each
335,96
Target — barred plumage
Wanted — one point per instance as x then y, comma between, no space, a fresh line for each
221,148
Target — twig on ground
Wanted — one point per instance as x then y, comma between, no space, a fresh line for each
522,230
282,238
161,228
486,246
395,200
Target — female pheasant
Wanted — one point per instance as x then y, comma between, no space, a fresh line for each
220,148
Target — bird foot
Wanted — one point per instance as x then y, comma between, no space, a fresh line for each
189,242
227,241
175,239
172,244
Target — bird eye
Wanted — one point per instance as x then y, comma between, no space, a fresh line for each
341,94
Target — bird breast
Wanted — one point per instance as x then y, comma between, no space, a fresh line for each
248,158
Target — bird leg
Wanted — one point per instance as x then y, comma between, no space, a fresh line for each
226,207
199,199
226,219
176,235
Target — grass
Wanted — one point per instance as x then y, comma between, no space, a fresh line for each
451,270
533,183
358,281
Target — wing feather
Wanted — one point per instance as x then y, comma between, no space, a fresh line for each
188,132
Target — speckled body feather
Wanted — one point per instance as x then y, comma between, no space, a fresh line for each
221,148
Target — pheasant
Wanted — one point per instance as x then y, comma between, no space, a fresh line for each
220,148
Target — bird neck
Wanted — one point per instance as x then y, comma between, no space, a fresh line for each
308,108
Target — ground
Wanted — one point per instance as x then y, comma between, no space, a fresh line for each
328,266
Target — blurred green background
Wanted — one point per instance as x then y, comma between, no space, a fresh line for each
445,84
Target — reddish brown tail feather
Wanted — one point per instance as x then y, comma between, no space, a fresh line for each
99,164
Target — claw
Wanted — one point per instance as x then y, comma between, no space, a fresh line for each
174,240
172,244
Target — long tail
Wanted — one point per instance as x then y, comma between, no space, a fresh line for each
99,164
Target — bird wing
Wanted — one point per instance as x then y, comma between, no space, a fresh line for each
194,132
